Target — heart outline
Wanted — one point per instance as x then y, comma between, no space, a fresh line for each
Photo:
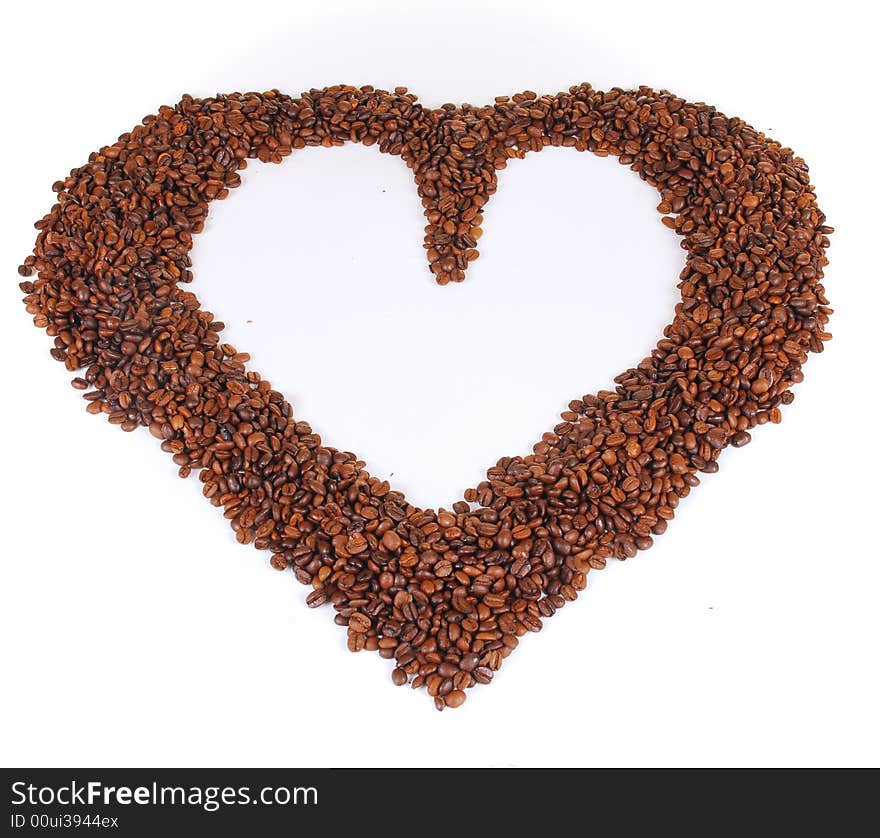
678,147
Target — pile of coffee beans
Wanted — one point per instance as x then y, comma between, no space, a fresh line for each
444,594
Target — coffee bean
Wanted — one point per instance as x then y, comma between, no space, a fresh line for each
360,623
469,662
445,520
716,438
677,463
455,698
391,541
316,598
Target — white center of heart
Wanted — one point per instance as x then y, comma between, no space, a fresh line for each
318,270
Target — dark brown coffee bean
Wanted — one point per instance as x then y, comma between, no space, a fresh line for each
469,662
716,438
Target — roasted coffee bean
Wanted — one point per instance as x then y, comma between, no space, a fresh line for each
469,662
391,541
447,594
359,622
316,598
455,698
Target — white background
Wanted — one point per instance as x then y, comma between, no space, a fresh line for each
136,631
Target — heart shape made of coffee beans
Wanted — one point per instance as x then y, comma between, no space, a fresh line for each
444,594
